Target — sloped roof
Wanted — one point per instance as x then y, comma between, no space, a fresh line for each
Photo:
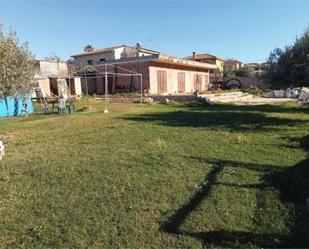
109,49
98,51
185,62
232,61
202,57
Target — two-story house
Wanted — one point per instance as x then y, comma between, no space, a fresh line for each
161,73
232,65
215,74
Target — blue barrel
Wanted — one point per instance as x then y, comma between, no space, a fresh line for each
10,106
3,108
30,106
10,102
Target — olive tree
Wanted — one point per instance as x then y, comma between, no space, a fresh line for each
291,64
16,66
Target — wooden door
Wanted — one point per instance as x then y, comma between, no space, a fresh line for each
197,82
161,80
181,82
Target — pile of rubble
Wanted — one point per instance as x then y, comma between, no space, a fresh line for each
240,98
302,94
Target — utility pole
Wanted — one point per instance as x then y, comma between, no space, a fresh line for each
106,90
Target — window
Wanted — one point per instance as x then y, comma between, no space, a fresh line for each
90,62
181,82
102,59
198,82
161,80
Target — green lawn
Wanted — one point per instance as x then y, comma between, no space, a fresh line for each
156,176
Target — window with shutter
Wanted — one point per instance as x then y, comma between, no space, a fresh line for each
161,80
181,83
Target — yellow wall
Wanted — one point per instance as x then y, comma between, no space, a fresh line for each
220,64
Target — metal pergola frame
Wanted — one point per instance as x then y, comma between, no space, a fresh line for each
81,73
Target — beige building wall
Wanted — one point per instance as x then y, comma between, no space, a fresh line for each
45,86
83,60
118,53
78,86
114,54
220,65
172,80
51,68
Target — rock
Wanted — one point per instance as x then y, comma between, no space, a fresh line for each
279,93
269,94
304,94
288,93
294,93
148,100
166,101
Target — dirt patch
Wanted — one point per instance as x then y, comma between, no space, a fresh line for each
11,136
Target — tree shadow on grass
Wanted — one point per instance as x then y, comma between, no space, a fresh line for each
293,185
235,120
221,238
278,108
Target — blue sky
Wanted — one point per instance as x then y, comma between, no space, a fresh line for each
244,30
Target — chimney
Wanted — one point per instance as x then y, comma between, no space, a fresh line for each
193,55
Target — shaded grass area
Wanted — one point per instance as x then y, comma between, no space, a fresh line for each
156,176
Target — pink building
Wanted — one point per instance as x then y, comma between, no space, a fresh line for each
162,74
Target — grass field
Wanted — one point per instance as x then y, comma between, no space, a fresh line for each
156,176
